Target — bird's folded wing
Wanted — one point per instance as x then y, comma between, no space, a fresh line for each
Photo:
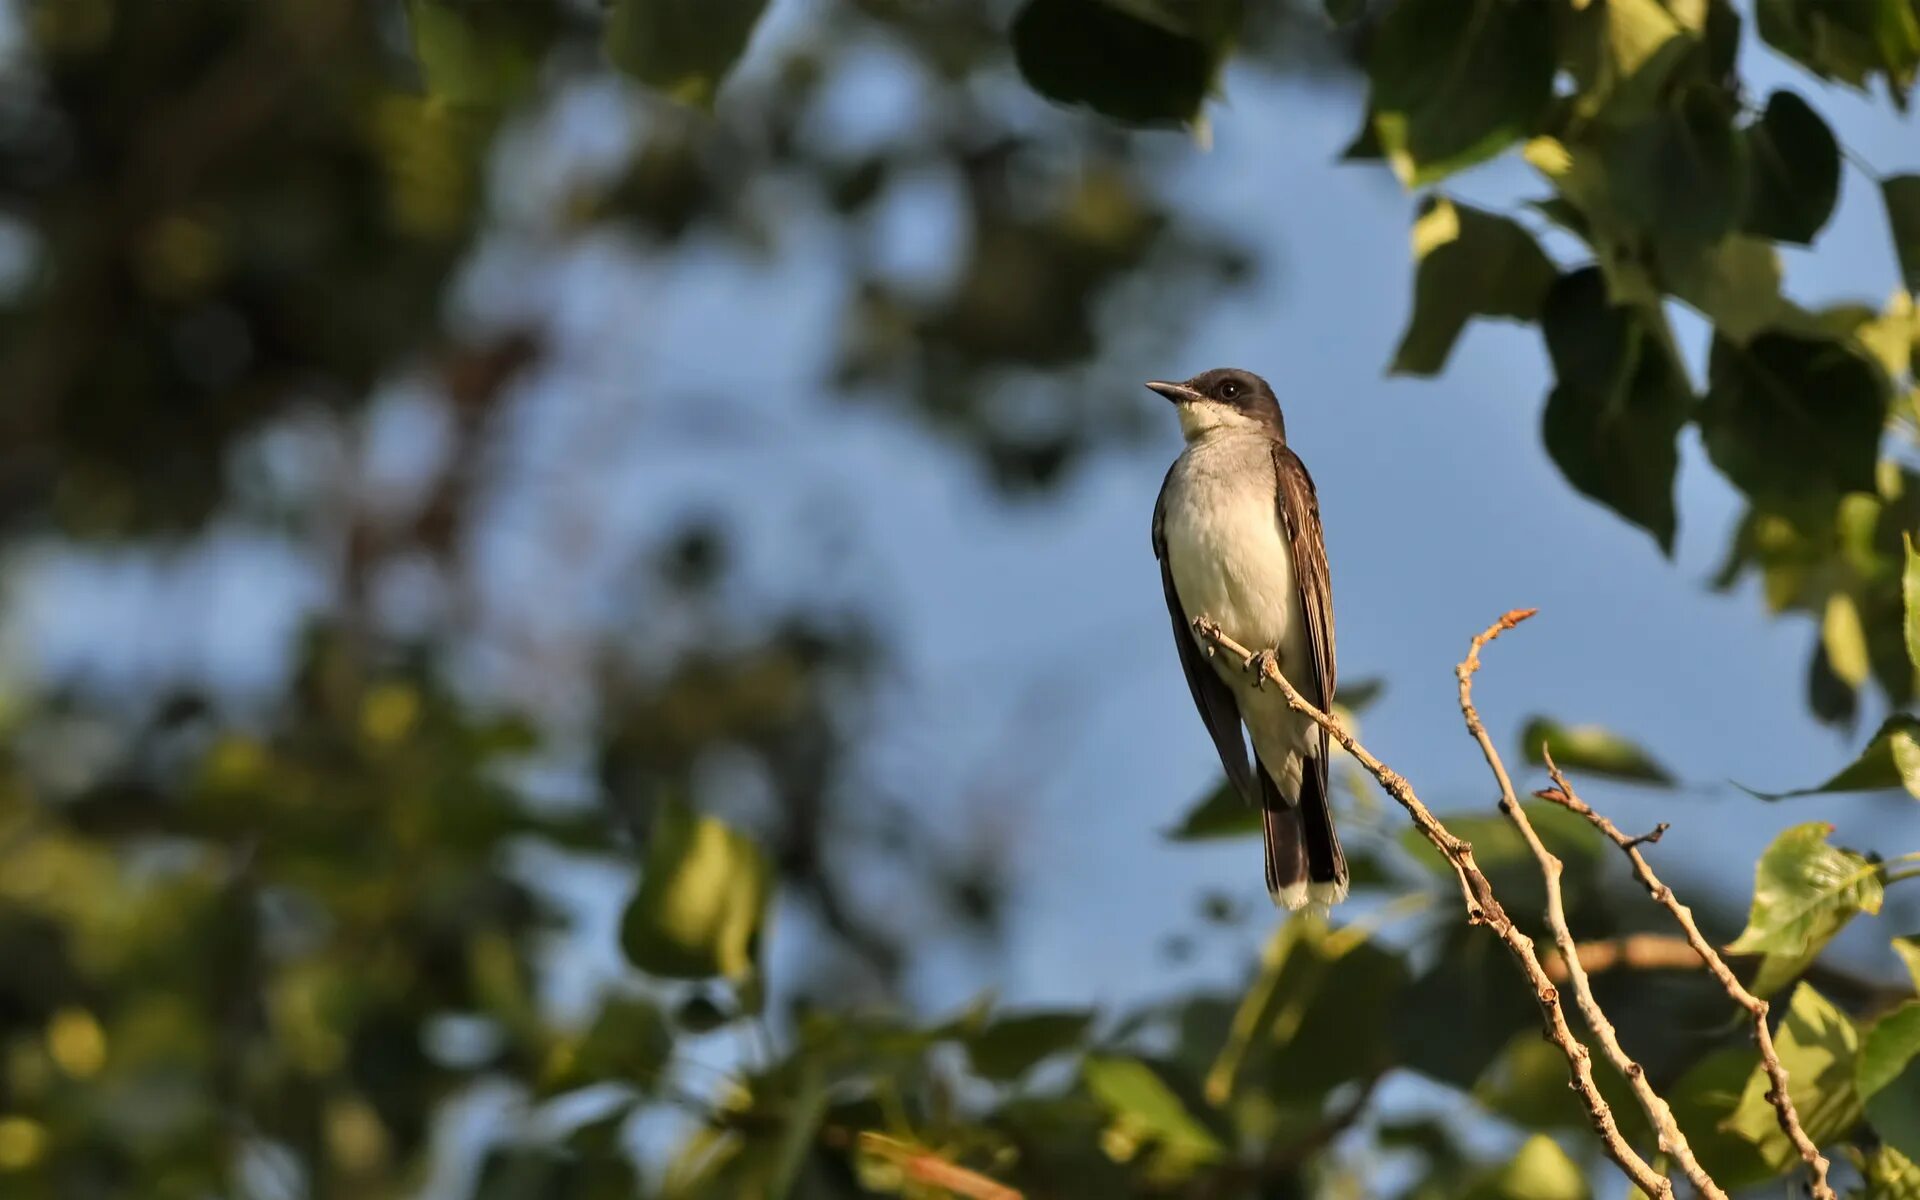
1300,517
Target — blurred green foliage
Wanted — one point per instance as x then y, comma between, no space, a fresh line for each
272,949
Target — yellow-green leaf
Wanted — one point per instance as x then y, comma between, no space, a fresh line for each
1805,890
1817,1046
1146,1111
703,892
1541,1171
1845,640
1910,592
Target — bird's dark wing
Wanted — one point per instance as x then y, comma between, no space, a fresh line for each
1300,516
1211,695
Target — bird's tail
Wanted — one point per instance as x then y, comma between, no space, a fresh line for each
1304,862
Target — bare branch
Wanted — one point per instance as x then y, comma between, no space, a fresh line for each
1482,906
1562,794
1659,1114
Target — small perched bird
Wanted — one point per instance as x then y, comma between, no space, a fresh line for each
1237,533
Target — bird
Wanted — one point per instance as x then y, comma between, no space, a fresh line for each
1236,529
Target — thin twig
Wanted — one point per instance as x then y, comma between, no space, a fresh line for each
1659,1113
1562,794
924,1166
1482,909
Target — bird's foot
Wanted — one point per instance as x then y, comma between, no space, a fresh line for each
1260,663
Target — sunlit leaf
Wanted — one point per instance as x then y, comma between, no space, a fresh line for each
1888,1076
1817,1045
1888,1045
1910,597
1456,81
1540,1170
681,48
1591,749
1703,1099
1145,1110
1901,193
702,895
1793,166
1734,282
1623,54
1613,418
1890,760
1888,1174
1907,950
1471,263
1805,890
1845,640
1012,1045
1144,62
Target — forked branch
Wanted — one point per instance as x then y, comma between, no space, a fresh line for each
1562,794
1483,907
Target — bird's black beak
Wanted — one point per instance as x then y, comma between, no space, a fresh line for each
1179,393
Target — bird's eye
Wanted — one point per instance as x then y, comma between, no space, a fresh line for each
1229,390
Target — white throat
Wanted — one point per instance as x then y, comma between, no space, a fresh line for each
1198,419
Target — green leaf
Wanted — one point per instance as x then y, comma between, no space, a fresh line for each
1891,760
1622,55
1889,1044
1910,598
1888,1174
1805,889
1145,1110
1847,41
1817,1045
1907,949
1456,81
1356,695
1613,418
628,1042
681,48
1787,416
1844,639
477,54
1221,813
1344,12
1734,282
1540,1171
1319,1015
1591,749
1142,62
1901,193
1793,172
701,900
1472,263
1703,1099
1679,174
1011,1046
1888,1076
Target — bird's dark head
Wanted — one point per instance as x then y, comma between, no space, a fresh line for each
1223,399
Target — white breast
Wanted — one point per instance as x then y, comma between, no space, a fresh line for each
1230,560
